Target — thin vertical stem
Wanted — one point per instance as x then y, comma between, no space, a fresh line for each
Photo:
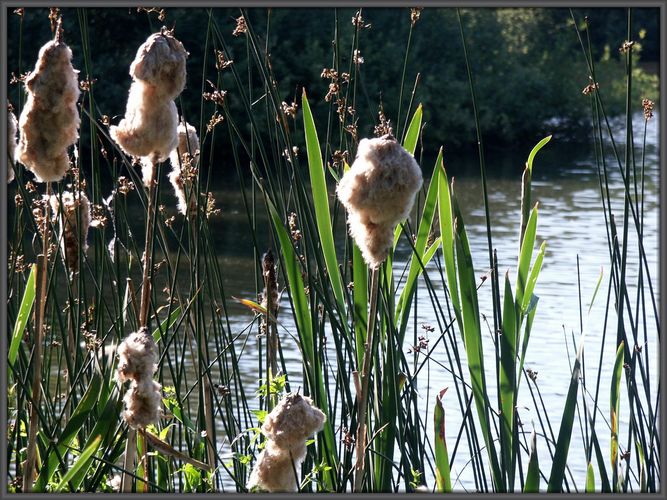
362,392
41,292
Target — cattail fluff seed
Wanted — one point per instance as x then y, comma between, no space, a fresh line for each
378,192
74,220
49,122
148,129
137,362
287,427
184,162
12,125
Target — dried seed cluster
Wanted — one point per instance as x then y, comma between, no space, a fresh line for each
287,427
378,192
149,128
50,120
73,211
184,162
138,356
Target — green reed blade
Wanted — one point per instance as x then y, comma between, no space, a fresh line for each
472,334
166,324
81,463
447,235
360,280
24,314
321,202
410,144
73,427
526,255
532,484
532,279
416,262
615,400
442,468
590,479
508,341
412,134
534,152
565,432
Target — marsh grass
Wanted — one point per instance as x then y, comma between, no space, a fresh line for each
209,436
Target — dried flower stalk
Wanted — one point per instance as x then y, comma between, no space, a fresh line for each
74,221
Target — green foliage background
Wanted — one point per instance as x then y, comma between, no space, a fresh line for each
527,62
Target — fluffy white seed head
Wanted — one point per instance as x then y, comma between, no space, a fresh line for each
149,128
137,357
184,160
143,403
290,423
378,192
49,122
276,469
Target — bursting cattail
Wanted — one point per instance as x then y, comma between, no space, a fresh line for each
270,293
148,129
287,427
74,220
184,161
378,192
12,125
49,122
137,362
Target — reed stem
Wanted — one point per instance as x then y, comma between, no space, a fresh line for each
362,397
41,293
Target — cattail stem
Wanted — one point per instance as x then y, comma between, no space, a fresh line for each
362,398
203,356
41,293
131,443
270,328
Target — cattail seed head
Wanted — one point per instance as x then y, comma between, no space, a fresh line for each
74,216
12,125
149,128
137,357
271,284
184,161
50,120
378,192
143,403
287,427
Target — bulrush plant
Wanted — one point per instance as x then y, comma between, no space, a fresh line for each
149,131
287,427
378,192
49,125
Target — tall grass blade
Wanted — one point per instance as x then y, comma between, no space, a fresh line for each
442,468
24,314
532,484
615,400
565,432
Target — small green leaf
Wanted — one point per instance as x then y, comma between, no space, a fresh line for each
24,313
532,484
442,468
412,134
535,150
590,479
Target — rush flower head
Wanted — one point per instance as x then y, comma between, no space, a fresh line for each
74,219
378,192
49,122
287,427
149,128
184,161
12,125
